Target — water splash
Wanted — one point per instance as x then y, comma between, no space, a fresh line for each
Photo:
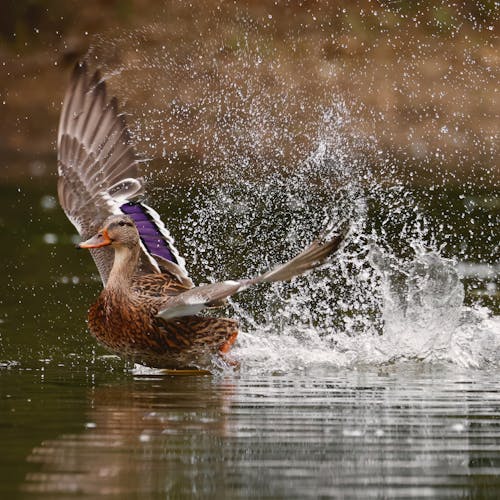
422,318
261,193
388,296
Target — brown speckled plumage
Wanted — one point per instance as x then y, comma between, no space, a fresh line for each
126,323
125,317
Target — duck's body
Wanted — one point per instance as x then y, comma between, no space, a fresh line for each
128,326
148,311
125,320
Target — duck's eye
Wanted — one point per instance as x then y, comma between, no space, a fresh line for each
122,223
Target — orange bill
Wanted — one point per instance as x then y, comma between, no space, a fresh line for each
101,239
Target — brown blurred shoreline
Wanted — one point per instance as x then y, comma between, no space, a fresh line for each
420,80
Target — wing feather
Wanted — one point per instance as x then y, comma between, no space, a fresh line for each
98,167
198,298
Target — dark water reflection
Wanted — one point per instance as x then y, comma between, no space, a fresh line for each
371,433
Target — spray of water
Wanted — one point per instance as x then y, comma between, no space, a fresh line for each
388,295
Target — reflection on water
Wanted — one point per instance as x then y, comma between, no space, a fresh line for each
391,432
141,436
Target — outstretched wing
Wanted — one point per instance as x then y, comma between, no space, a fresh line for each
98,171
196,299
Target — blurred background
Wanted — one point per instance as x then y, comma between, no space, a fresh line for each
202,80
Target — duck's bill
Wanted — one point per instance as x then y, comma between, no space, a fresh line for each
101,239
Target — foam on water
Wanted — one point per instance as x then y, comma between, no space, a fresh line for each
422,325
421,317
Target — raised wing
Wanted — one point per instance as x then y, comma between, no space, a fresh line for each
98,170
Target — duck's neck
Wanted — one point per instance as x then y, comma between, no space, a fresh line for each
123,269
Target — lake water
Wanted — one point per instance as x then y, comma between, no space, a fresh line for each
316,410
359,432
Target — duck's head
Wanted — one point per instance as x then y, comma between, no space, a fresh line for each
117,231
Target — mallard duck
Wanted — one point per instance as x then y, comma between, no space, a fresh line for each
149,309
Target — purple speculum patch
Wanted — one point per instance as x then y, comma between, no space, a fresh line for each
149,233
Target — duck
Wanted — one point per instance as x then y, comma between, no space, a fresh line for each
149,311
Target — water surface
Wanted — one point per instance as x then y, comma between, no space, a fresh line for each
360,433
